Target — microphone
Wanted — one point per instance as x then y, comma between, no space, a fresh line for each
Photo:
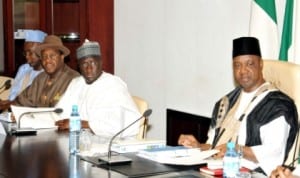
6,83
6,86
117,159
30,131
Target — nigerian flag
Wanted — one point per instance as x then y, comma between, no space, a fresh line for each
263,25
290,42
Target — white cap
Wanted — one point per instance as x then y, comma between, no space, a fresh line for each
34,36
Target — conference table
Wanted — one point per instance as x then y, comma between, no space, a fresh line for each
45,155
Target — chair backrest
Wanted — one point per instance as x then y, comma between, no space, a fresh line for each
4,94
142,107
286,77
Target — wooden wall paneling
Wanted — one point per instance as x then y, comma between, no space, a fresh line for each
8,38
101,29
83,20
95,22
31,15
46,18
65,20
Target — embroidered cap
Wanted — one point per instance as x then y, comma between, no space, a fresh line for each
34,36
246,46
87,49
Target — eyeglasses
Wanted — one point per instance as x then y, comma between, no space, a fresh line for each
50,56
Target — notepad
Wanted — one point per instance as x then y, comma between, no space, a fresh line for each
218,171
214,172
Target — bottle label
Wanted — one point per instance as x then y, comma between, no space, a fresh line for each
231,167
75,124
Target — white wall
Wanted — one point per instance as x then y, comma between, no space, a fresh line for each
177,53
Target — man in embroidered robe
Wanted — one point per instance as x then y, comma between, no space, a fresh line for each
104,102
47,88
258,117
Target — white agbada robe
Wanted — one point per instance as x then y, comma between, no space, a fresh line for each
273,135
106,104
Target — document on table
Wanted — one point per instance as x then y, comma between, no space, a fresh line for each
178,155
96,150
38,118
5,116
2,130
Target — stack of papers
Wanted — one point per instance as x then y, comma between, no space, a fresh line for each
123,146
135,145
37,118
215,163
96,150
177,155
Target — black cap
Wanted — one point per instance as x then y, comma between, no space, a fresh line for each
245,46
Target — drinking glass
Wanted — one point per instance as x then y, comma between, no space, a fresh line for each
85,140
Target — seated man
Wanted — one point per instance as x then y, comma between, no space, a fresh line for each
256,115
47,88
27,72
103,100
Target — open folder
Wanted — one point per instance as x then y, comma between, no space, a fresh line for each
37,118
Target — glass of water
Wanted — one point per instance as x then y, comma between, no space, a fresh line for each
85,140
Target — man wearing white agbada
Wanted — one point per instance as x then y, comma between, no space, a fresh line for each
259,118
103,100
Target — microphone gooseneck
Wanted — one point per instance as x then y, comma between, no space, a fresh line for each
6,86
30,131
6,83
56,110
146,114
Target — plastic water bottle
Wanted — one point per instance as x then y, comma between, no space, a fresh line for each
75,126
74,169
231,162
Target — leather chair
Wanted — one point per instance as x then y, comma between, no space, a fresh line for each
286,77
142,106
4,93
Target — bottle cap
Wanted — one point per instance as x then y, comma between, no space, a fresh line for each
230,145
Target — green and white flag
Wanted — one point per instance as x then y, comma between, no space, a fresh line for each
290,38
263,25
